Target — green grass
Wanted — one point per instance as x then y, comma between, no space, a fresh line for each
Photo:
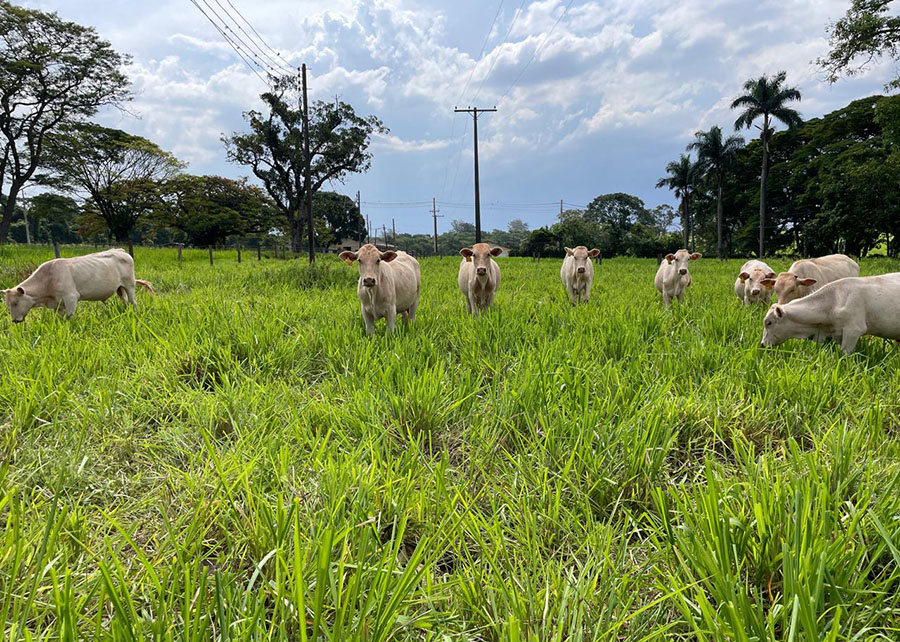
237,461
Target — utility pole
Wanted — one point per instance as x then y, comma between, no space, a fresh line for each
368,231
394,227
25,216
359,209
307,183
560,207
434,215
474,111
384,235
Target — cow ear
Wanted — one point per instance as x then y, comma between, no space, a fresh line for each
569,251
348,257
497,251
770,275
806,282
20,290
388,256
743,276
670,258
594,253
467,252
768,282
695,256
779,311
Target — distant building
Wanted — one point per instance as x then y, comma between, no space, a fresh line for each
349,245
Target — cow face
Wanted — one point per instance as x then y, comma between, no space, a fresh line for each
787,286
681,259
581,256
370,259
778,328
757,285
480,254
18,303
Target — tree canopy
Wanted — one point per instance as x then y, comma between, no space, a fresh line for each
867,31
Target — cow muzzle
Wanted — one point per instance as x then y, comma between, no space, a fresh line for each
481,271
682,271
581,270
18,320
754,292
369,282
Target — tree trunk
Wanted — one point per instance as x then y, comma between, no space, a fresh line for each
762,188
9,211
719,254
296,233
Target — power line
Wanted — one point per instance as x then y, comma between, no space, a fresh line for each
537,49
267,58
234,46
252,28
248,47
497,49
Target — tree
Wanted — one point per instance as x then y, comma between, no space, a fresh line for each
51,72
52,218
766,97
208,209
715,155
541,242
341,217
273,149
866,31
120,173
681,176
616,214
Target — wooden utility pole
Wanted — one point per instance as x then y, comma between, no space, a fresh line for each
434,215
394,233
475,111
560,207
384,235
307,183
359,209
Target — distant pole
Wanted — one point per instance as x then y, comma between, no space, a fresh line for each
434,215
368,231
359,209
474,111
384,235
25,216
394,226
210,255
180,245
307,183
239,251
56,249
258,250
560,207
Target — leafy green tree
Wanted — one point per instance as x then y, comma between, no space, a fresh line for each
681,179
541,242
766,97
715,155
341,217
51,72
208,209
867,31
616,214
273,148
120,173
53,218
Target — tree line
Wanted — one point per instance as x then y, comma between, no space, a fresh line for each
99,183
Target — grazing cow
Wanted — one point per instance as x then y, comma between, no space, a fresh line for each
842,310
749,286
577,273
389,282
60,284
479,276
672,277
808,275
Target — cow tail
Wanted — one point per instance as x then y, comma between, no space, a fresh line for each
146,284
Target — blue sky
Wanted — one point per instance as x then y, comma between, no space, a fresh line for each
613,91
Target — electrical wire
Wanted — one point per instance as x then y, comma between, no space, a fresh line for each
497,49
250,43
233,45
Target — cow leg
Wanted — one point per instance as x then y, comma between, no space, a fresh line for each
369,321
412,310
69,305
573,296
680,296
405,314
586,293
390,317
850,339
667,300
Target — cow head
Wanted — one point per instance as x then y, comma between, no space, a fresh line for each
681,258
778,327
370,259
480,254
757,285
787,286
18,303
581,256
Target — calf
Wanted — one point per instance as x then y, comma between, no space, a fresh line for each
389,282
808,275
842,310
577,273
60,284
672,277
750,286
479,276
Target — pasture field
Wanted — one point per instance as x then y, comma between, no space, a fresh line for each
238,461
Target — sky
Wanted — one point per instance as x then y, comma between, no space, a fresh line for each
592,96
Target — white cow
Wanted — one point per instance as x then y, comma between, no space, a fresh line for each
672,277
577,273
389,282
808,275
60,284
479,276
842,310
750,286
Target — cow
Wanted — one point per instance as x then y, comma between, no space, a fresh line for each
577,273
672,277
842,310
59,284
479,276
749,287
808,275
389,282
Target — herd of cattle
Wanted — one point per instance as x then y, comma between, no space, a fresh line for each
822,298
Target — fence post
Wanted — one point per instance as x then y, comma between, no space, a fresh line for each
131,249
180,245
239,252
258,251
210,255
56,248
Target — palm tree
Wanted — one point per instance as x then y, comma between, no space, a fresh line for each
714,156
681,179
766,97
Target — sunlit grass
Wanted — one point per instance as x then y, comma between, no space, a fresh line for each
237,461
